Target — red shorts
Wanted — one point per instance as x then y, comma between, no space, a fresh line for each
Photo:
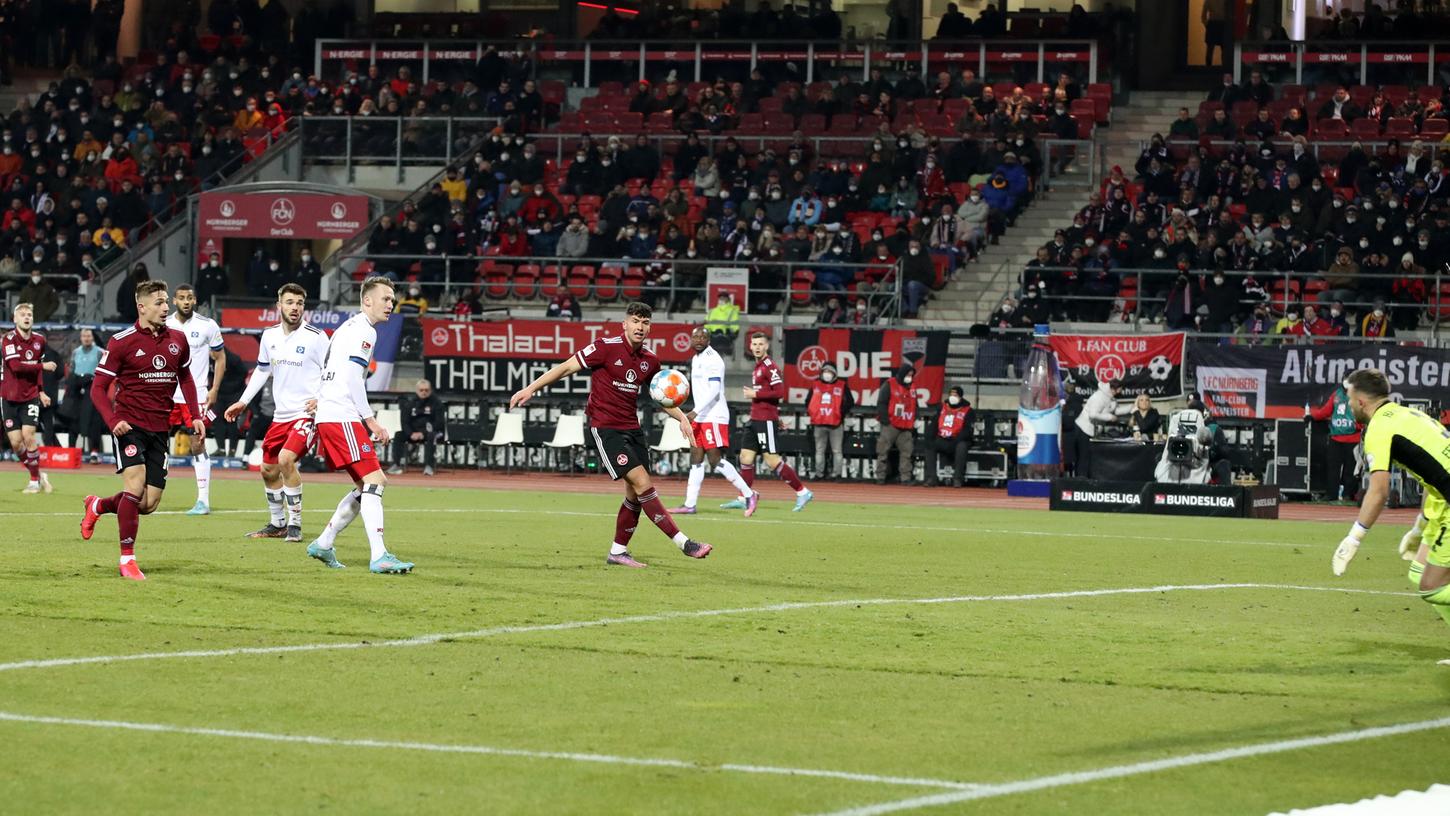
295,435
711,435
181,416
347,446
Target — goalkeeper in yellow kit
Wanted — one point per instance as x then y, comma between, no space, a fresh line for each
1421,446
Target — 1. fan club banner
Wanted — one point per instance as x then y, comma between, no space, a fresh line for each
1149,364
864,359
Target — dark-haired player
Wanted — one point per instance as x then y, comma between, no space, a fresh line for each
205,351
21,395
147,362
1420,445
766,390
621,367
291,354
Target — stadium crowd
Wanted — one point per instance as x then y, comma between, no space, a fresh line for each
1269,212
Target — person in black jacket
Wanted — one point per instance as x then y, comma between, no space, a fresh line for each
952,437
422,424
126,293
212,280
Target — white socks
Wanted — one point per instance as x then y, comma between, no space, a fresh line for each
274,507
293,497
372,513
729,472
202,464
346,511
681,540
618,549
692,487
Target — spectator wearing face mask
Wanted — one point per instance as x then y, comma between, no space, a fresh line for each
896,409
1289,324
212,280
309,274
834,314
918,274
1257,325
827,406
41,296
952,439
414,302
1377,322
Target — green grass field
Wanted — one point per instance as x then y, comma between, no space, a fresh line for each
828,661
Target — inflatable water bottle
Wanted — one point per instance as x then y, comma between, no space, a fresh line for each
1039,412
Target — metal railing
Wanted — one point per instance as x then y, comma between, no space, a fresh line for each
452,276
397,141
1150,290
586,60
1339,59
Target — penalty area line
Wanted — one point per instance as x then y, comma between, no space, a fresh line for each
1139,768
488,750
563,626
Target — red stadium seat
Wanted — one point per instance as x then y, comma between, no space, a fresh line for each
801,283
1365,128
606,284
1434,129
526,281
1400,127
631,286
580,279
496,279
549,280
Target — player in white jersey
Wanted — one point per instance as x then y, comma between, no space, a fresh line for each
205,351
347,430
291,354
711,419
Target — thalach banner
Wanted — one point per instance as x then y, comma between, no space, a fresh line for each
864,359
508,355
1276,381
1149,364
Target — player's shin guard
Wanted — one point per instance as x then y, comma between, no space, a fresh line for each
624,525
293,498
692,487
372,513
32,464
128,517
747,472
733,476
1416,570
1440,599
655,509
201,463
346,511
788,475
275,508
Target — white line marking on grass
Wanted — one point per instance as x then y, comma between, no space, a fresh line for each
488,750
757,520
1138,768
494,631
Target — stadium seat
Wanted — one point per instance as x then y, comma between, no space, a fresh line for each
801,283
496,279
526,281
568,435
606,284
508,433
549,280
631,286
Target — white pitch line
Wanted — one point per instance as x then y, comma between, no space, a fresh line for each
494,631
1139,768
756,520
488,750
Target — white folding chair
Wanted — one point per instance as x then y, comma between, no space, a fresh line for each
671,440
392,419
508,432
568,433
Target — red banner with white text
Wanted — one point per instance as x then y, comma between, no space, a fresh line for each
1149,364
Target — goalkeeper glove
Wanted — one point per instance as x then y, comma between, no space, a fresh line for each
1410,543
1348,547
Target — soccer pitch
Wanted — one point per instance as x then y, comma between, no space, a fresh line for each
847,659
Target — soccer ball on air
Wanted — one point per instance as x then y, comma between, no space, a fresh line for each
669,388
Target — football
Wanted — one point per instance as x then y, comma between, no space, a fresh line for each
669,388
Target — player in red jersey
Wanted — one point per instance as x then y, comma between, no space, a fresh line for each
622,366
765,392
21,396
146,362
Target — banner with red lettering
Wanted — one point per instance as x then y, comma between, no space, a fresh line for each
505,356
864,359
1149,364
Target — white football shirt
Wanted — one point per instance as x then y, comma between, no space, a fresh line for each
203,336
295,362
707,379
346,366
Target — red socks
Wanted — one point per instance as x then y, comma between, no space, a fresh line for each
128,517
657,513
109,504
625,523
787,474
747,472
32,464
